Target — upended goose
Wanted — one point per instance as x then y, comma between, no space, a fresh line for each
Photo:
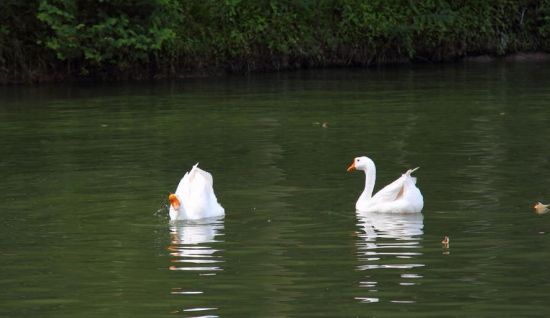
400,196
194,198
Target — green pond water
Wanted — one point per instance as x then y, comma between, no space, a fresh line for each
85,171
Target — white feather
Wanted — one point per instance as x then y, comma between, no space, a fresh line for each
401,196
197,198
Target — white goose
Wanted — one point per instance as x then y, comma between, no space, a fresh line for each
194,198
400,196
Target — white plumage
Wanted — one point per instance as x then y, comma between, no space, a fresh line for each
400,196
194,197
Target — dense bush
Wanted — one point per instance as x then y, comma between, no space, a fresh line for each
49,39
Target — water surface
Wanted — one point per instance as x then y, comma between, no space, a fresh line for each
86,169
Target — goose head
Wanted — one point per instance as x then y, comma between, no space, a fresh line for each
177,209
174,201
361,163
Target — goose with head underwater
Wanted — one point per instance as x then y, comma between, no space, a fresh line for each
194,197
400,196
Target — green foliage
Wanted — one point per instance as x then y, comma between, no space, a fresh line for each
20,57
107,33
136,38
543,23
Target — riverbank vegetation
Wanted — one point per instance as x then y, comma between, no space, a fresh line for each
44,40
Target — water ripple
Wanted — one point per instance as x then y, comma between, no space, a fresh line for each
388,244
190,246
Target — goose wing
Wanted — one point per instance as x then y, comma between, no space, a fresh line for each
390,192
396,189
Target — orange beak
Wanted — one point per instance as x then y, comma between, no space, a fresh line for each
174,201
351,167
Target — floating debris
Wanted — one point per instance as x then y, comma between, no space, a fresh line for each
323,124
541,208
446,242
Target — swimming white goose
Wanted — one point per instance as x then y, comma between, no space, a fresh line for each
194,198
400,196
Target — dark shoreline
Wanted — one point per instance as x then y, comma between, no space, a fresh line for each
38,78
515,57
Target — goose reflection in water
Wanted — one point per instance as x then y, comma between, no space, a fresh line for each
388,251
191,245
192,252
